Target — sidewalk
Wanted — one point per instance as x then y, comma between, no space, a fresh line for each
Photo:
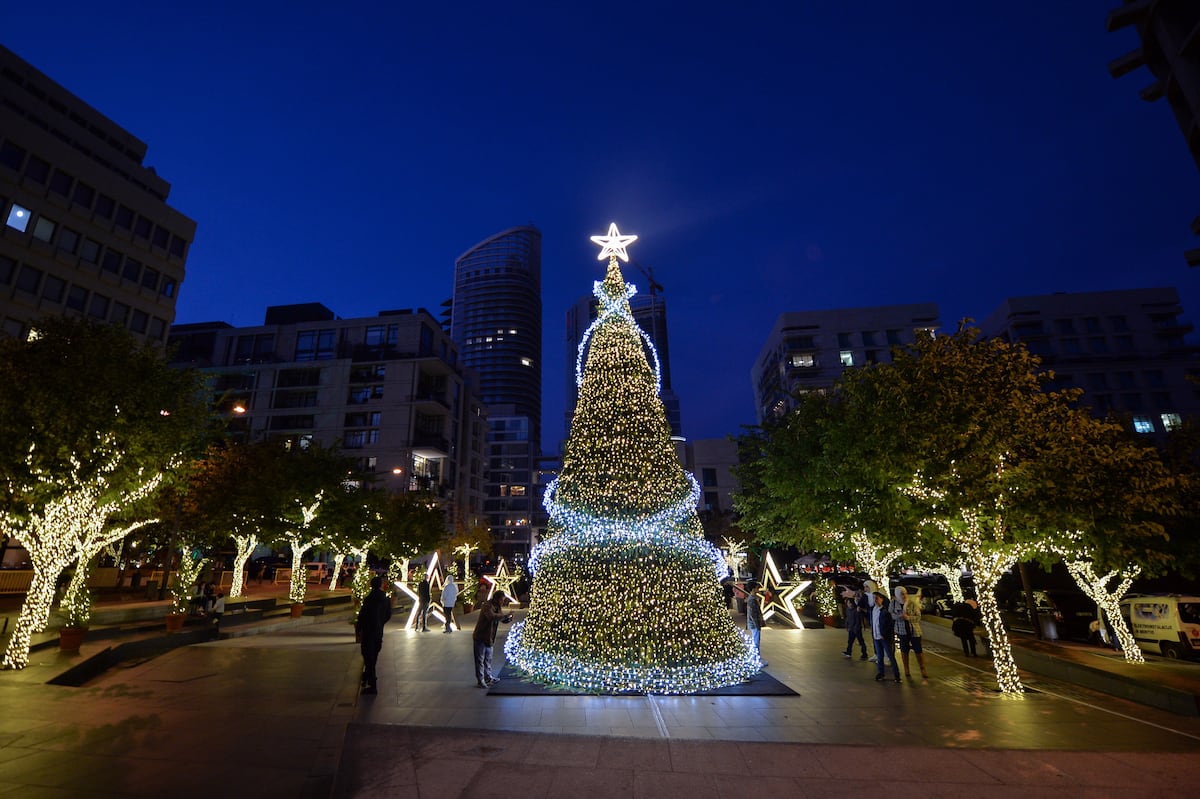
279,715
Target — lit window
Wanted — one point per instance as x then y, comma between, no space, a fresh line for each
1143,424
18,218
526,362
43,230
847,357
803,360
1171,421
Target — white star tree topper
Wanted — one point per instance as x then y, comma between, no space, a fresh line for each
613,244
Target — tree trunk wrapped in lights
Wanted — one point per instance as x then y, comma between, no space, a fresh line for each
626,593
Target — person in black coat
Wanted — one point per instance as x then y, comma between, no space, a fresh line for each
422,605
854,623
375,611
966,619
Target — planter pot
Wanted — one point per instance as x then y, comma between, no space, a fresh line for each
467,607
297,610
829,621
71,638
175,622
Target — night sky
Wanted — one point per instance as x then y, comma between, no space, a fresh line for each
772,157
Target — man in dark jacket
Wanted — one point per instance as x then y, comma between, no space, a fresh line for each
854,619
422,605
375,611
484,637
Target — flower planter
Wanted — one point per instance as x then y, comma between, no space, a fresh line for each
175,622
828,621
467,607
297,610
71,638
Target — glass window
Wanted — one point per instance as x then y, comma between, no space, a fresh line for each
124,217
54,289
138,321
68,240
29,279
168,288
150,279
316,345
893,337
111,262
161,237
12,156
142,228
61,183
803,360
1097,380
1171,421
37,169
90,251
1154,378
18,217
177,245
1119,323
844,340
43,230
1091,324
868,337
847,357
120,314
132,270
105,206
77,298
1143,424
1070,346
1125,380
8,268
157,327
85,195
1064,326
1098,344
709,476
98,307
1124,343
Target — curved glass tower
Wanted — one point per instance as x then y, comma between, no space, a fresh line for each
496,321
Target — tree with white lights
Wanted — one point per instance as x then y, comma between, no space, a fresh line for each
626,593
98,420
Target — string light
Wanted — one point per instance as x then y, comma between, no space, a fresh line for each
627,596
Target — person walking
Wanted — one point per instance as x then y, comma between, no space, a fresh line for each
484,637
754,616
966,619
422,605
882,633
218,611
449,597
906,615
854,618
375,612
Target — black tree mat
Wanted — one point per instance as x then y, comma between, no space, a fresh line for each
515,682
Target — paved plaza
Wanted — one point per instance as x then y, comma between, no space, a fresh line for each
280,715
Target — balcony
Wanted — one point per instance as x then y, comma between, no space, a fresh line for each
430,446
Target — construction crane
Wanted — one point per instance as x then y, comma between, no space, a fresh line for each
654,286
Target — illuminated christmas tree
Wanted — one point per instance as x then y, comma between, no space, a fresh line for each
626,593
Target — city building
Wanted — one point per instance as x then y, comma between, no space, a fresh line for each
86,230
1169,31
650,312
495,319
808,350
388,389
712,460
1127,350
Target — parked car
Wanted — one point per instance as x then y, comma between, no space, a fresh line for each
1167,624
1062,614
931,590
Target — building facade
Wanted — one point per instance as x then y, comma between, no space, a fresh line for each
86,230
650,312
808,350
389,390
1127,350
496,322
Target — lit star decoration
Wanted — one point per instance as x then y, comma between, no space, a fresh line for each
613,245
627,595
434,572
502,580
783,595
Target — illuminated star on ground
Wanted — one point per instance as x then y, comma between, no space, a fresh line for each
503,580
783,596
613,244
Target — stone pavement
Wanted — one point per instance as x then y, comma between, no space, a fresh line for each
280,715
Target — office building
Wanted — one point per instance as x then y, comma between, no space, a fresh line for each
496,322
389,389
808,350
86,230
1127,351
650,312
1169,31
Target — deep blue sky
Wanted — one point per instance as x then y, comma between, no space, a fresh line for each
772,157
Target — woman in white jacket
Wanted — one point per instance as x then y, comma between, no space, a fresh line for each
449,597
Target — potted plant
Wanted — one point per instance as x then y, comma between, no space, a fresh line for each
76,609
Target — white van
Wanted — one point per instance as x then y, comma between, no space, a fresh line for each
1168,624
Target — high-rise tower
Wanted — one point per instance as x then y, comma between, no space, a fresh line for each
496,321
